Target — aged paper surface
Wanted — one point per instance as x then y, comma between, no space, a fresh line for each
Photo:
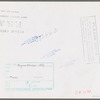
49,49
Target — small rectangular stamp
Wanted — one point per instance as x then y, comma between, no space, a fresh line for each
90,39
79,92
29,76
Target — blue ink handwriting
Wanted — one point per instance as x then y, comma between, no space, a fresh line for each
39,38
70,63
31,40
53,52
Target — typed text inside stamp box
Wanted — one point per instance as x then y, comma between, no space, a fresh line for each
90,39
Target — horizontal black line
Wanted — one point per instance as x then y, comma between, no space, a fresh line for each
53,0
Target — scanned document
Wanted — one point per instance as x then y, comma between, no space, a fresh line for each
49,50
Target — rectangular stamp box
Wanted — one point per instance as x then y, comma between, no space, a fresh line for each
90,39
29,76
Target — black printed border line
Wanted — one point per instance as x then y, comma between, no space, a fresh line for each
52,0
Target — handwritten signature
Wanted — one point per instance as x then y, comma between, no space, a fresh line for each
31,40
39,37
